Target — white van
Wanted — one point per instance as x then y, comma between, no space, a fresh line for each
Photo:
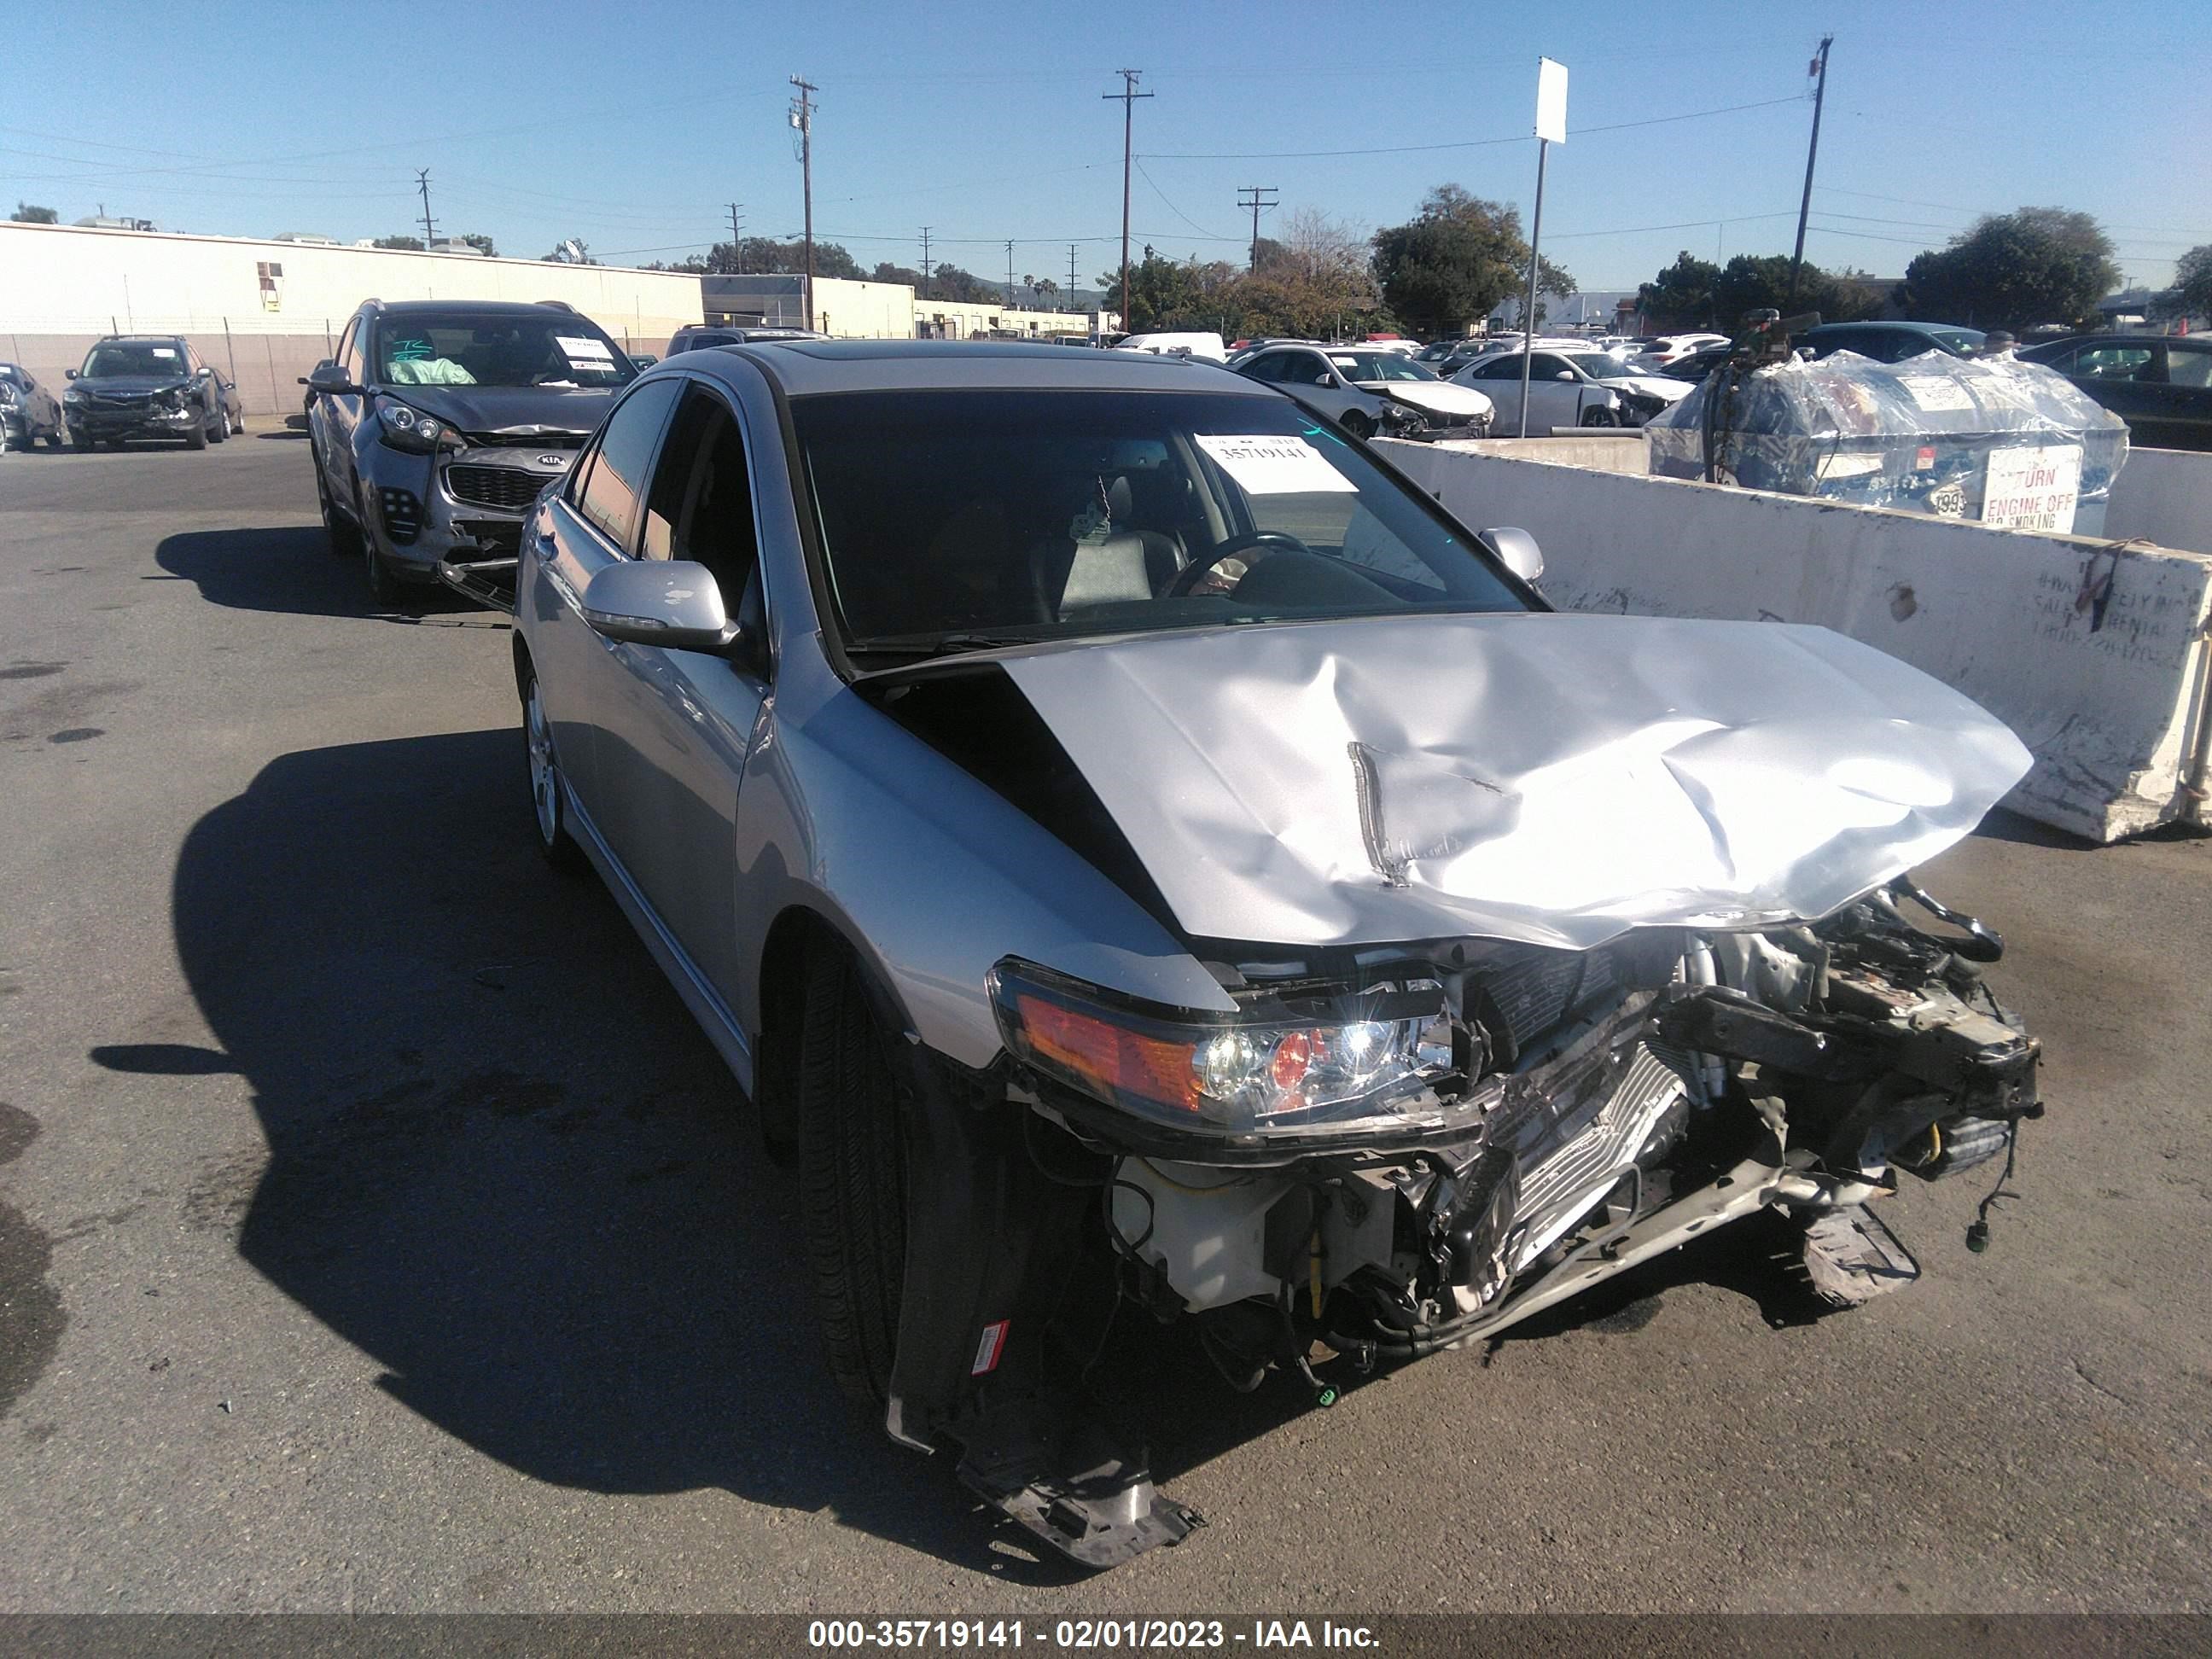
1210,346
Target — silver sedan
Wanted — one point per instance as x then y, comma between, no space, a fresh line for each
1134,847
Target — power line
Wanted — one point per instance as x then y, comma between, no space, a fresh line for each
1468,144
1209,235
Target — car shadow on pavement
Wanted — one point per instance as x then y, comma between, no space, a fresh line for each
292,569
502,1161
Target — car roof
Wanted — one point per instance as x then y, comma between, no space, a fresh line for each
140,339
1870,327
480,307
806,369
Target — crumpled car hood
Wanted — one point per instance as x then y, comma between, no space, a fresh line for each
513,408
1551,779
1439,396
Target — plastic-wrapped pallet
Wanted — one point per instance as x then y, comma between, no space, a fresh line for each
2010,444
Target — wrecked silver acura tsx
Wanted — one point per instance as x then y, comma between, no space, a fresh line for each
1134,848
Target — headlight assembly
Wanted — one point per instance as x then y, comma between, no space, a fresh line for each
401,426
1357,1064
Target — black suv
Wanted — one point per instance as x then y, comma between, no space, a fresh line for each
440,421
146,385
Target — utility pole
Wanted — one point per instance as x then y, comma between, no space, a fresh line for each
1010,274
1820,69
737,237
802,117
925,262
1255,191
423,184
1128,95
1071,305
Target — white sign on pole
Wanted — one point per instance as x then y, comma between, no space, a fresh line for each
1551,101
2032,487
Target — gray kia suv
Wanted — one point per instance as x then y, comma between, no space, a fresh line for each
438,423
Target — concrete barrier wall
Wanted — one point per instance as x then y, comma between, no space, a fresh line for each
2094,652
2163,496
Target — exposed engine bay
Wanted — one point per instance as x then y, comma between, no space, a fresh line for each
1571,1115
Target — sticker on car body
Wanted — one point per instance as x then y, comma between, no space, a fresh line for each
1268,464
1934,392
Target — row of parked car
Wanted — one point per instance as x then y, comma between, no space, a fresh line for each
135,386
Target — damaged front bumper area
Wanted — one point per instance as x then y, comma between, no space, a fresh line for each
1535,1121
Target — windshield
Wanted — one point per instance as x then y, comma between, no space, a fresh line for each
1963,341
113,359
954,520
496,349
1599,365
1379,366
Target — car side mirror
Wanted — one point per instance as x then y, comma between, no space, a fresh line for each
70,374
1515,549
671,603
328,379
1565,374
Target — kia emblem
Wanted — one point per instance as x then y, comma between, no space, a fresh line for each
552,460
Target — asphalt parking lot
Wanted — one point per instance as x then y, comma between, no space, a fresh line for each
377,1232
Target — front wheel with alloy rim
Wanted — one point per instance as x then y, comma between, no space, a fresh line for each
1600,417
548,805
1357,425
852,1176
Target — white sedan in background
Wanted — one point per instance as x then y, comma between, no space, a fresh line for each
1570,388
1658,353
1366,390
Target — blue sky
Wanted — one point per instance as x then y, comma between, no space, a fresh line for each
633,126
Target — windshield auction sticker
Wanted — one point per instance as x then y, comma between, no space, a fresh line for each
582,346
1267,465
2032,487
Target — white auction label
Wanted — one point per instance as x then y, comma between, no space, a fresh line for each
2033,488
1268,465
579,346
1933,391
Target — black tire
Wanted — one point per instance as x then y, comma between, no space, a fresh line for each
238,422
79,443
54,439
1600,417
343,535
383,585
1357,423
852,1170
549,806
197,437
220,430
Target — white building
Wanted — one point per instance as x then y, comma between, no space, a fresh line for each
266,311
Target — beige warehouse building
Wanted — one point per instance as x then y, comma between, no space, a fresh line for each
266,311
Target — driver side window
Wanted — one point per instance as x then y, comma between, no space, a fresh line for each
608,497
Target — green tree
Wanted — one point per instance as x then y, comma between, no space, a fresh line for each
1174,294
1681,295
481,243
765,254
1456,261
2013,270
25,214
2192,283
403,244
